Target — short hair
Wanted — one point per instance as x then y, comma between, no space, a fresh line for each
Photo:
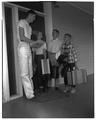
67,34
30,12
56,30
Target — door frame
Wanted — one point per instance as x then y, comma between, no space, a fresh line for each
15,19
6,90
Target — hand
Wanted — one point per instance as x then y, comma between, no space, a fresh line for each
54,63
53,60
77,68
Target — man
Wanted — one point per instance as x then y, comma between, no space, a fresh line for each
24,32
53,47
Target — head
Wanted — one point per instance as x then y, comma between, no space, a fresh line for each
55,33
39,36
30,16
67,38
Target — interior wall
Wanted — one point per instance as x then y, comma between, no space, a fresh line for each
69,19
48,20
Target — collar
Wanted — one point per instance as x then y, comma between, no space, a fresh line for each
56,39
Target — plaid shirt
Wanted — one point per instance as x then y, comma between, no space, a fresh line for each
69,52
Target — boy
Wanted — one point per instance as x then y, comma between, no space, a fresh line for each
54,47
68,60
41,80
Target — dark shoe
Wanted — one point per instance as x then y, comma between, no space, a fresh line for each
44,90
56,88
36,92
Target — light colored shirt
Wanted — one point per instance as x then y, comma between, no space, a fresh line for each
39,51
27,29
54,46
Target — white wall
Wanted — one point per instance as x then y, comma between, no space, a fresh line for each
72,20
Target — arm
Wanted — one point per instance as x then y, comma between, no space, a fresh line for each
75,58
25,39
44,52
22,36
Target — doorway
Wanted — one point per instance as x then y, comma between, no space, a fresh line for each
12,87
10,49
12,14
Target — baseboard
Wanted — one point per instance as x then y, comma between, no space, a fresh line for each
61,81
90,76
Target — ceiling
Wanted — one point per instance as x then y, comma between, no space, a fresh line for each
87,7
31,5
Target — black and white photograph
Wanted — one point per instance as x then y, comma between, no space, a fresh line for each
47,59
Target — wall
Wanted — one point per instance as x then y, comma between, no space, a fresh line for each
48,20
80,24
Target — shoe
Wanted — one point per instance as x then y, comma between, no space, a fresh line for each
73,90
36,92
66,90
56,88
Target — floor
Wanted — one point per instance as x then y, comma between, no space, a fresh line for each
54,104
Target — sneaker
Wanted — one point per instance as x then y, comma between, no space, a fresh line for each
73,90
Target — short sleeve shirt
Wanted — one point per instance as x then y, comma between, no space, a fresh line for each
39,51
27,29
54,45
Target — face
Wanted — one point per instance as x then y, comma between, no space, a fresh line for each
31,18
55,34
40,35
67,39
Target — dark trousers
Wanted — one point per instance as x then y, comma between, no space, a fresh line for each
66,67
38,78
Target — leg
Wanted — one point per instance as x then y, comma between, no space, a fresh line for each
73,87
45,81
53,75
30,67
60,69
37,75
56,76
65,69
25,72
27,87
